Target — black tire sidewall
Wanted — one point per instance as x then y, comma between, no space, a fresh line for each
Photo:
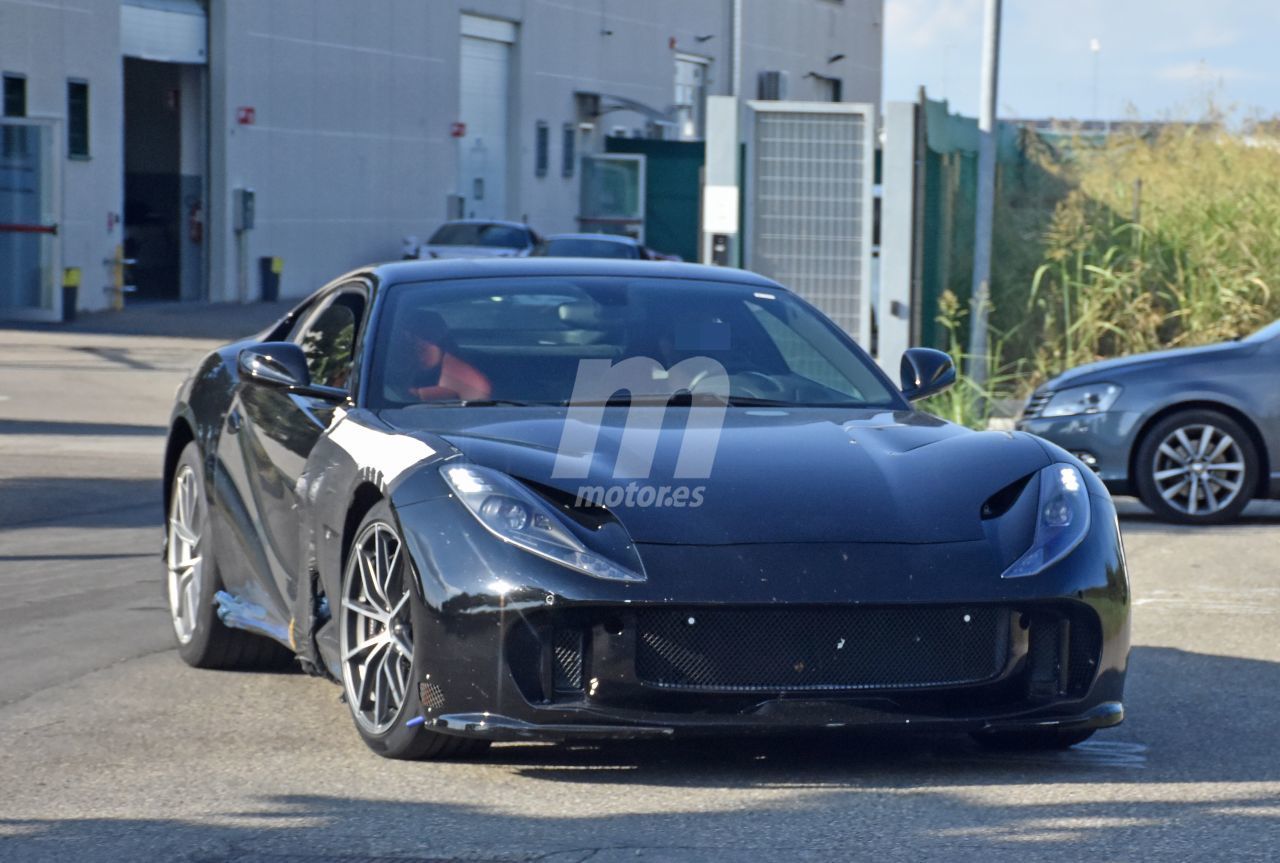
398,741
1144,466
195,651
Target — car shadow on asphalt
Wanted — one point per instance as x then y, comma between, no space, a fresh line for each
80,502
1179,704
1191,775
85,429
222,321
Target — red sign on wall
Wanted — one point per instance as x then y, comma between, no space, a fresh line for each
246,115
457,130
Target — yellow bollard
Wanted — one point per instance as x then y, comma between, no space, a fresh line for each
70,292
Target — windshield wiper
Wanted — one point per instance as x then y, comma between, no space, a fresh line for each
480,403
683,399
757,402
623,400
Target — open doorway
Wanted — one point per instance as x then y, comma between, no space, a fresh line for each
163,178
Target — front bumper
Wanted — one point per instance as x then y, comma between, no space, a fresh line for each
520,648
1108,437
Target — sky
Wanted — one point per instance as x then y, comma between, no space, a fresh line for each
1158,59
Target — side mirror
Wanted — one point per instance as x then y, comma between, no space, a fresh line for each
283,365
926,372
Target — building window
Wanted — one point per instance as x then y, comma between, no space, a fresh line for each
78,119
15,96
541,147
569,153
691,96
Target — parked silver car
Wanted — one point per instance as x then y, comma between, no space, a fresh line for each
1194,432
474,238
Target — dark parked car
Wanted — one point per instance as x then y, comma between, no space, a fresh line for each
591,246
474,238
1193,432
524,499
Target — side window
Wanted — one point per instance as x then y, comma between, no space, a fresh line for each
329,339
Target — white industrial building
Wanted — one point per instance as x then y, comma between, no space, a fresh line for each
130,126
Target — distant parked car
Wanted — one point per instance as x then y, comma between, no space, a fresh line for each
597,246
474,238
1194,432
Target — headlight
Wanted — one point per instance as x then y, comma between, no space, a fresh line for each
1088,399
513,514
1062,520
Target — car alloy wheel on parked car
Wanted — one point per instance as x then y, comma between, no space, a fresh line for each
1197,466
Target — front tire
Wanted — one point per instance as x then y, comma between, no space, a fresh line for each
204,641
382,662
1197,467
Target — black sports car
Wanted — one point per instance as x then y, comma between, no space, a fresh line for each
568,498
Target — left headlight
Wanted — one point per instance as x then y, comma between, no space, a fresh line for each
1087,399
513,514
1062,520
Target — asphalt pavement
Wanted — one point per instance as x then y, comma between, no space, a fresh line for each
112,749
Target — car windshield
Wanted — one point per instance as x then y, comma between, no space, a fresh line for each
479,234
580,247
525,340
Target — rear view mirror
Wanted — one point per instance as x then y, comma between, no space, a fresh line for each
283,365
926,372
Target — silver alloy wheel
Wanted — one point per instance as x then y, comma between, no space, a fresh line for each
183,555
1199,469
375,631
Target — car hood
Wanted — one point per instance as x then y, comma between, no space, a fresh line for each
796,475
427,250
1143,363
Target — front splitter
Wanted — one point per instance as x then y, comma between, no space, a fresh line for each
493,726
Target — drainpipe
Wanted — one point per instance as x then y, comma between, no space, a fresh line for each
735,83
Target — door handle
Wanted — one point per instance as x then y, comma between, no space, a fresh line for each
234,421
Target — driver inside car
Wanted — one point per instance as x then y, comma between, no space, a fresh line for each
426,366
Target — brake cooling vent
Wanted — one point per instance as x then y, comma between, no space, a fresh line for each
824,648
567,660
1063,652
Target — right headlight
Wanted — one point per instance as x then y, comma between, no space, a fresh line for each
515,515
1087,399
1062,520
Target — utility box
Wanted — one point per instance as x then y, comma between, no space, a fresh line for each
242,209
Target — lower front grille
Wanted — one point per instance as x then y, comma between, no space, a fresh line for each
822,648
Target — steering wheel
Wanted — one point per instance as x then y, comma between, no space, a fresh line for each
759,384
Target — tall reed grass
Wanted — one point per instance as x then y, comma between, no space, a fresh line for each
1159,241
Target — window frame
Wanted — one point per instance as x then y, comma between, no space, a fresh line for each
541,149
87,151
319,306
568,150
4,95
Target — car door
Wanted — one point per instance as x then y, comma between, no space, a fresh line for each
278,429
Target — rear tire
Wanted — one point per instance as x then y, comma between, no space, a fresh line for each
191,580
382,662
1197,467
1032,740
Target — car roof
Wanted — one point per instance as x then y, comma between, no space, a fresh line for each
608,238
478,268
505,222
